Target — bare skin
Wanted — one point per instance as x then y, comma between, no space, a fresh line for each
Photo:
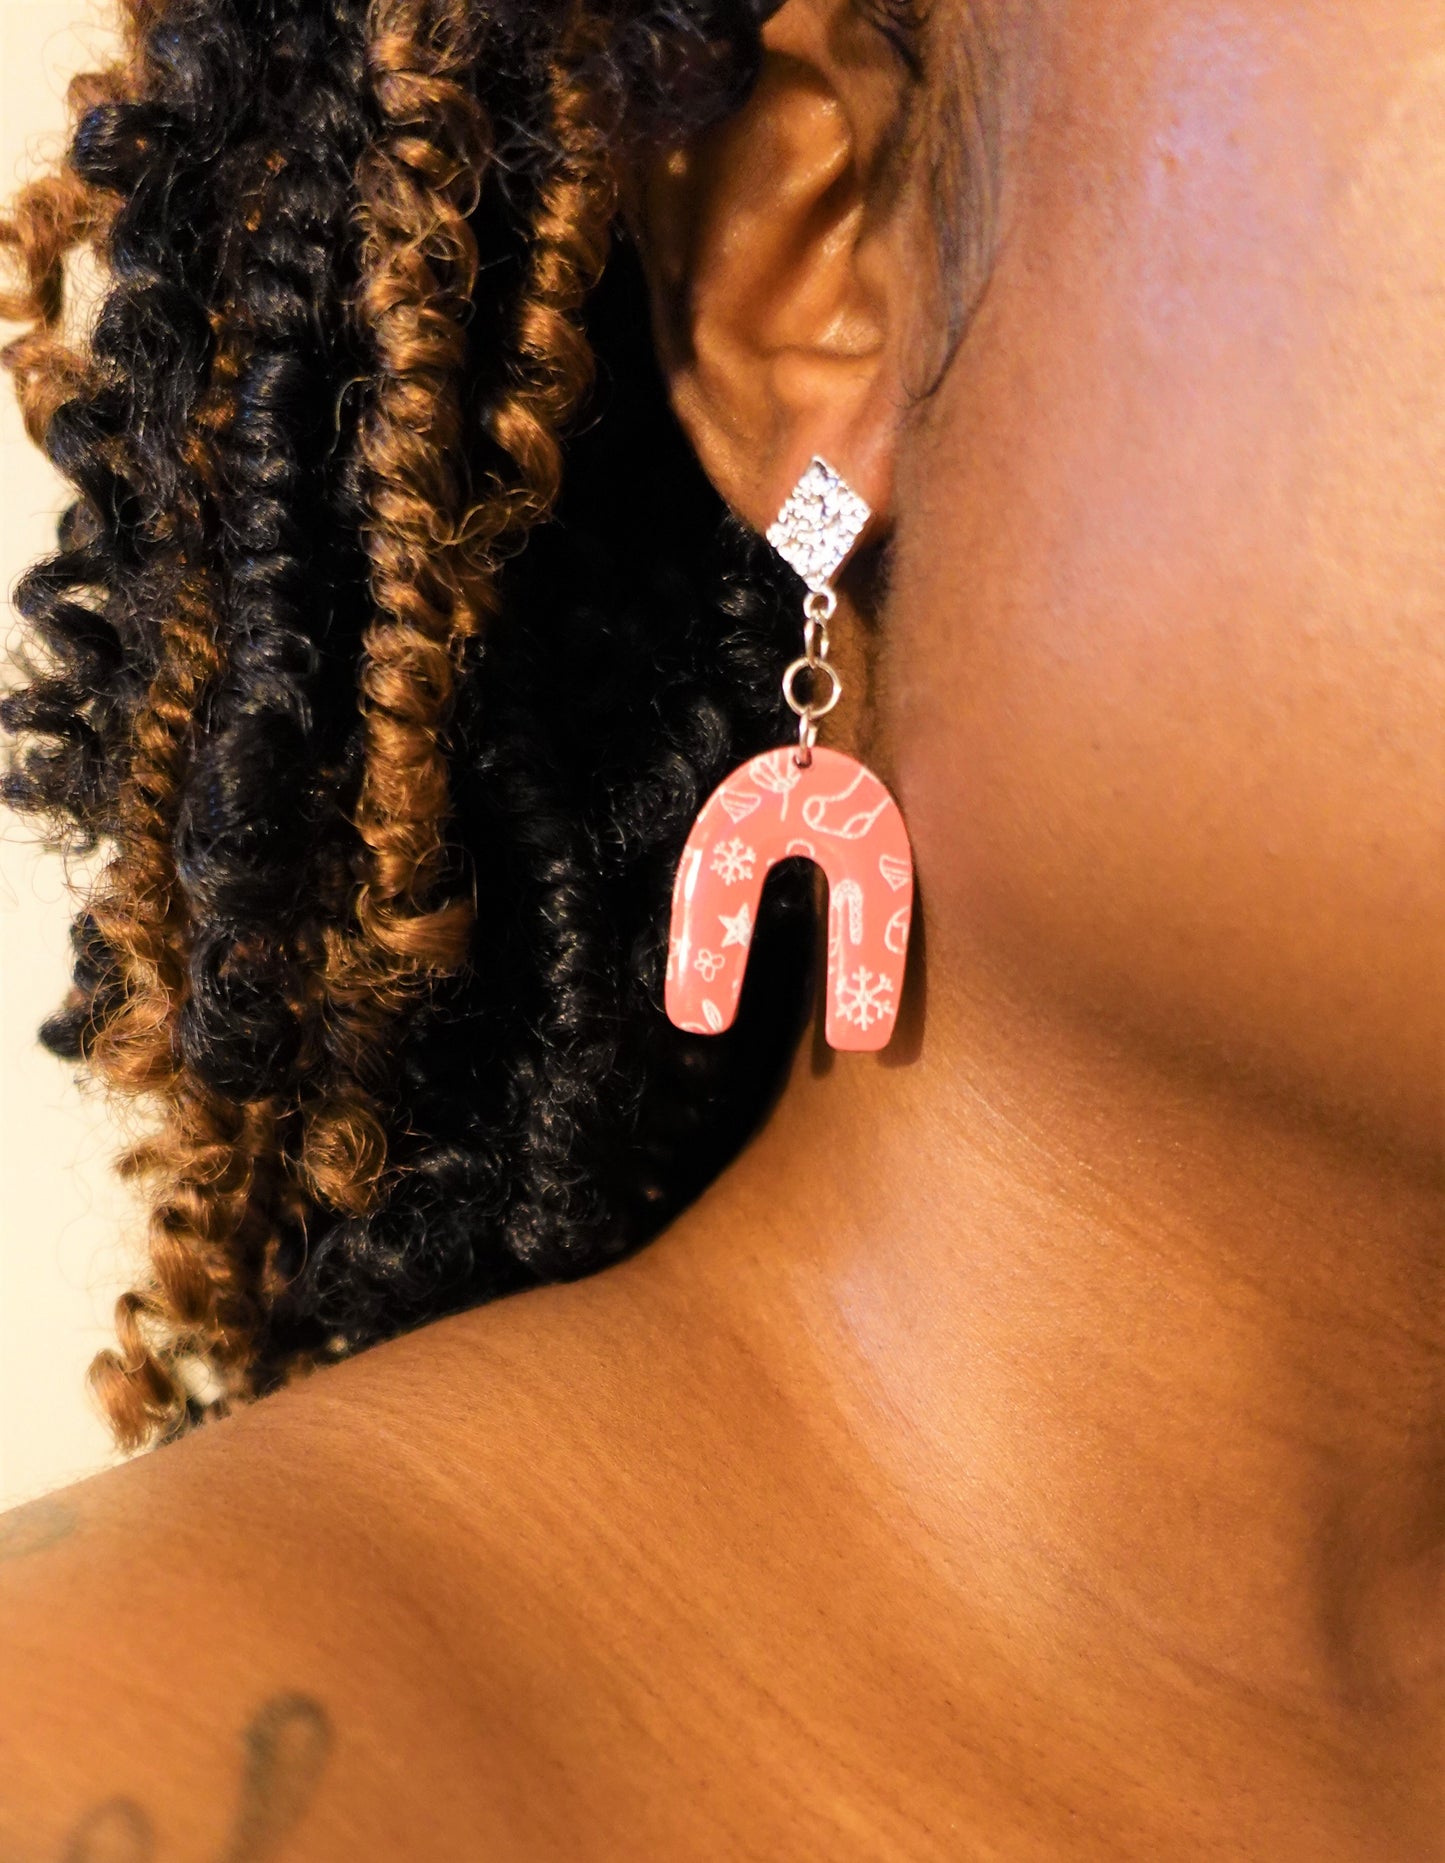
1034,1447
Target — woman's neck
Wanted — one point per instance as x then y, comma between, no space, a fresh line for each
1157,1373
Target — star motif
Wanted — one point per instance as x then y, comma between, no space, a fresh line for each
737,926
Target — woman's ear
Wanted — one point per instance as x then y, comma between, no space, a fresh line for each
777,251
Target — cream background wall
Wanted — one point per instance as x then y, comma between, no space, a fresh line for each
64,1222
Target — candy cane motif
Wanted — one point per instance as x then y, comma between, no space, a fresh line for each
855,834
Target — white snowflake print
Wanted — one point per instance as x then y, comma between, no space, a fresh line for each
707,964
737,927
864,998
733,861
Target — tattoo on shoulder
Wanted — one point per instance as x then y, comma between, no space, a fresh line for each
36,1528
119,1832
285,1749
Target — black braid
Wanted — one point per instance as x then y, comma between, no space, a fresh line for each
263,791
543,1117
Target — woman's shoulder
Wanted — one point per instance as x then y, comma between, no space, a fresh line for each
306,1616
578,1565
581,1575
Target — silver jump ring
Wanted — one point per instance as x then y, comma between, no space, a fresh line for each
820,604
811,709
815,639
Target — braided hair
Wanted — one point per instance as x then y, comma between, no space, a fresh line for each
389,803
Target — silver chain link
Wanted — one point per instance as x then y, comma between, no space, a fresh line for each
819,607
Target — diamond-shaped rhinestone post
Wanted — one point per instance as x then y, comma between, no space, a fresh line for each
822,520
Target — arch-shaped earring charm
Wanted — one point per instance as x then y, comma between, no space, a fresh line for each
834,812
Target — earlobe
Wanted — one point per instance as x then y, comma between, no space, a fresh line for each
776,302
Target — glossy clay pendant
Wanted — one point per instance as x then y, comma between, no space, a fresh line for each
834,812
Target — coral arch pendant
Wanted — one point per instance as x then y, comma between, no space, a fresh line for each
834,812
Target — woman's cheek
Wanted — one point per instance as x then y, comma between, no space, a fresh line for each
1164,671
